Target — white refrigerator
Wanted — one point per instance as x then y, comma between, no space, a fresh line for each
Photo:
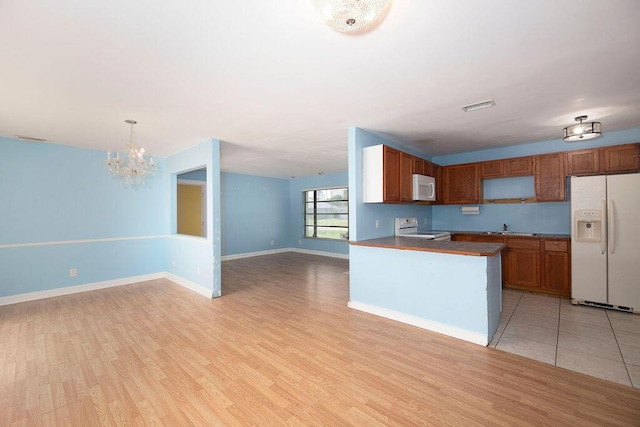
605,241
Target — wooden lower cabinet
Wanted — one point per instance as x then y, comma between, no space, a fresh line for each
533,263
523,266
557,267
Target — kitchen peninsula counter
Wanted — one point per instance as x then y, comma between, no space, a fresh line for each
442,246
452,288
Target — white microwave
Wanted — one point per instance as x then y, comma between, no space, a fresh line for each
424,187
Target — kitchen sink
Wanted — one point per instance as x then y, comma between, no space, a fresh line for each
509,233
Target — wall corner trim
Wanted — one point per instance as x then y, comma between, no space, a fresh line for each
452,331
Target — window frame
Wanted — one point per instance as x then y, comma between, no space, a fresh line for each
315,213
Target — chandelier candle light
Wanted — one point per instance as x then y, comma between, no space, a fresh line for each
351,16
135,168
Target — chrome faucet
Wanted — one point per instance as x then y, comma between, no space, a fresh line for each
505,227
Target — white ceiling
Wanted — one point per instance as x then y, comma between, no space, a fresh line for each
280,89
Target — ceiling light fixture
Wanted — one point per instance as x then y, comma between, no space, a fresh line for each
135,168
582,131
351,16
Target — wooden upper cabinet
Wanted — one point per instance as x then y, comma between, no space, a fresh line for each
437,174
462,184
391,174
518,166
622,158
428,168
549,178
492,169
583,162
406,177
418,165
388,174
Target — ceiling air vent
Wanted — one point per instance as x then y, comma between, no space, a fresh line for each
30,138
479,105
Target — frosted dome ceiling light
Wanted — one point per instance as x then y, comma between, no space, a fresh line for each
351,16
582,131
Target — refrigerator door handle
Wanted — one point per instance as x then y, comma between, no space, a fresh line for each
603,231
612,227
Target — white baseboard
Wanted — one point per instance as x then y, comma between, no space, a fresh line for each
49,293
452,331
193,286
320,253
252,254
279,251
68,290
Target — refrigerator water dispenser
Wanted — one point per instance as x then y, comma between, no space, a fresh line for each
588,226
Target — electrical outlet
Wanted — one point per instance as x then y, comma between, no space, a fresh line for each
425,221
173,263
299,242
377,223
272,242
73,272
198,271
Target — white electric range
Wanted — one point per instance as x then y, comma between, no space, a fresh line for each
408,227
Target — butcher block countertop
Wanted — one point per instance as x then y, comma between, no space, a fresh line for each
426,245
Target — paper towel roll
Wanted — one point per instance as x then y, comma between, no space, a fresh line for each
470,210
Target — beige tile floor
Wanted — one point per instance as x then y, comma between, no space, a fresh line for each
594,341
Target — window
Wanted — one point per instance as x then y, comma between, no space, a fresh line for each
326,213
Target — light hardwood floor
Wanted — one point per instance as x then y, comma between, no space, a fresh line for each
279,348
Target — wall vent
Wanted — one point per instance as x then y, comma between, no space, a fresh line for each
479,105
30,138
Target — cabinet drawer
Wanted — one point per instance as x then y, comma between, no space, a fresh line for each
490,239
523,243
463,238
556,246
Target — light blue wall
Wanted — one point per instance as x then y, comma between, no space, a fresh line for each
56,202
551,218
196,258
196,175
530,217
454,290
363,216
296,209
255,211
